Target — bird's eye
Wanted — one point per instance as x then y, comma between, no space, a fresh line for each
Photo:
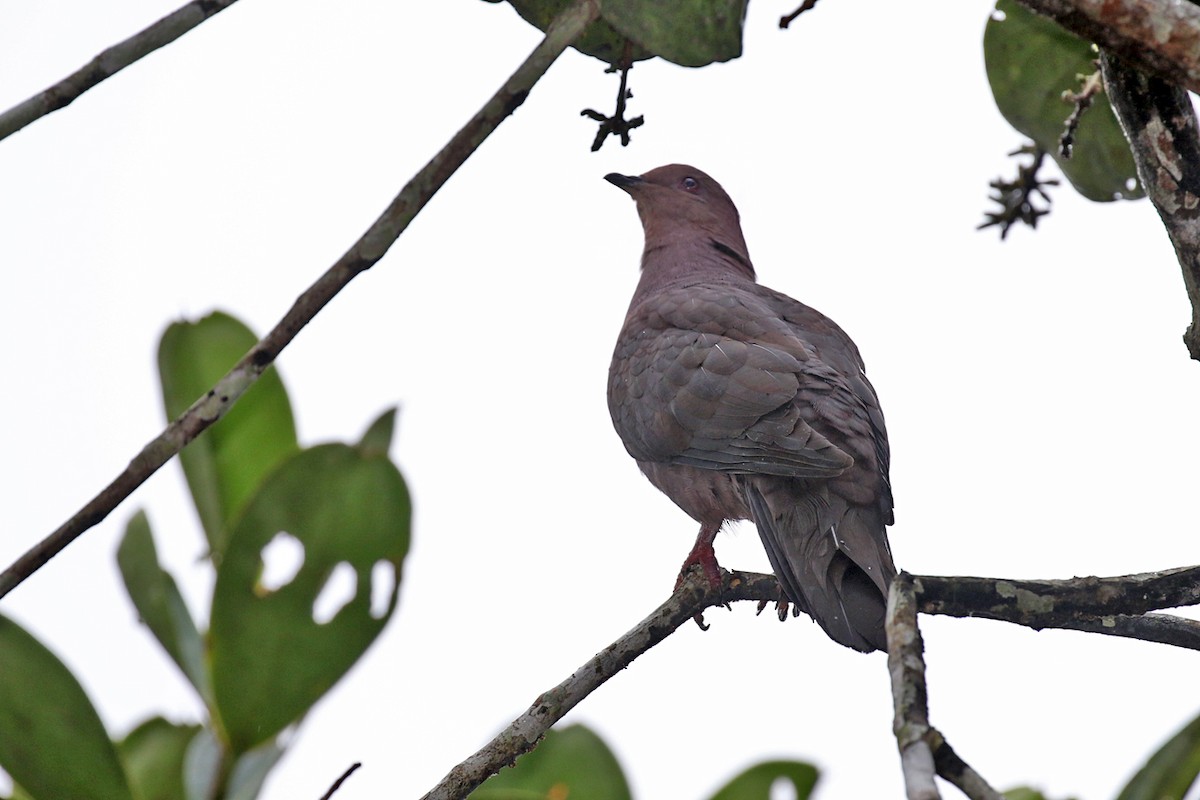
690,184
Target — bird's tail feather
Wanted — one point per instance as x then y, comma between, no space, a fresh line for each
832,560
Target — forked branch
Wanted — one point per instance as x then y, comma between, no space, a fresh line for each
925,752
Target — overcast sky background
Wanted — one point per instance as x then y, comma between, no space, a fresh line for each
1040,403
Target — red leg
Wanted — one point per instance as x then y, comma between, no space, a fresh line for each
703,554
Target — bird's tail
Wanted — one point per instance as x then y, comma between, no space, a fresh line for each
831,557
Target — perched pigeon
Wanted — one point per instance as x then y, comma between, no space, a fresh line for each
739,402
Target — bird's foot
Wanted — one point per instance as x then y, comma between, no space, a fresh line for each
705,557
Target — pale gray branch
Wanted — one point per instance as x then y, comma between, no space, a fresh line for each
109,63
924,752
906,664
371,247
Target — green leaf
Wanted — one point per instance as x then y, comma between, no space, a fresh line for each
1024,793
1171,771
270,657
251,771
225,464
202,766
156,597
202,769
570,762
153,755
691,33
378,438
1030,62
52,742
599,40
756,782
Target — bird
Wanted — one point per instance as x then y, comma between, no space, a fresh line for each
741,403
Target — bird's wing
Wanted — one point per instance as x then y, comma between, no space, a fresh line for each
711,378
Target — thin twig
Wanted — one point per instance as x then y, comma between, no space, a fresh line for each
1159,628
371,247
109,63
692,597
1092,86
1016,197
957,771
1160,124
616,125
338,783
1155,36
906,663
788,19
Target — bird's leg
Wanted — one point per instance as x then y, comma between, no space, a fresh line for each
703,555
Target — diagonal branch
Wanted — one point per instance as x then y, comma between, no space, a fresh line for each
371,247
109,63
692,597
1160,37
1160,124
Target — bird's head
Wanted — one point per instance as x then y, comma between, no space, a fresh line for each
680,205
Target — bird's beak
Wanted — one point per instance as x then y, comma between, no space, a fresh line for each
625,182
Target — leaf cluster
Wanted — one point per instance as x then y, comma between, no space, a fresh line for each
275,644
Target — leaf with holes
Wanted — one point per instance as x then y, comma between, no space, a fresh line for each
52,743
271,656
226,463
758,782
569,762
1030,62
156,597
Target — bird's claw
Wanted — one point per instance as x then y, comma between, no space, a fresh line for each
781,609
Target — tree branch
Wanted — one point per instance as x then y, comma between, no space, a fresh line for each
957,771
924,751
1160,37
906,664
371,247
1160,628
109,63
692,597
1058,603
1160,124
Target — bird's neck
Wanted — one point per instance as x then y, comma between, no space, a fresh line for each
691,260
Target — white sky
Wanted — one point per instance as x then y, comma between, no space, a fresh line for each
1040,403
